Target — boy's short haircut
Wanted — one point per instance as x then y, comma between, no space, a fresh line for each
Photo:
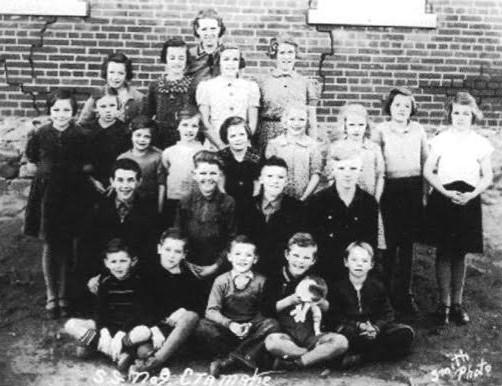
126,164
208,13
105,91
117,57
209,157
233,121
400,91
241,239
274,161
359,244
114,246
343,150
172,42
188,111
62,93
356,109
174,234
465,99
142,122
302,239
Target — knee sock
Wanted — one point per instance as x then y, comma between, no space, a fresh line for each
458,268
405,268
48,257
443,276
105,339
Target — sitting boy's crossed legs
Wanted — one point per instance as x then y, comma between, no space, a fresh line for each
316,349
220,341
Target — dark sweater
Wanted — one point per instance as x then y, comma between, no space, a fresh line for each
271,237
123,304
138,231
174,291
105,145
347,308
334,226
228,304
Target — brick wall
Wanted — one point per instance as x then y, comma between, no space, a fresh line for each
360,63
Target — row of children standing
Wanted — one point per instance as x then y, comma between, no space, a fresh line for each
391,172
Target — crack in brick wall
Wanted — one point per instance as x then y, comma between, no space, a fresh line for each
33,95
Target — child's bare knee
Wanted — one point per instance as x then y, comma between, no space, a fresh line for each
189,317
75,325
340,341
71,325
140,334
271,341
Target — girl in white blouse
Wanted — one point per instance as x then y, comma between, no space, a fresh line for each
459,169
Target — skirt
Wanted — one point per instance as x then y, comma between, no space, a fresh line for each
451,226
56,207
402,210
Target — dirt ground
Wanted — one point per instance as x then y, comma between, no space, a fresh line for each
35,352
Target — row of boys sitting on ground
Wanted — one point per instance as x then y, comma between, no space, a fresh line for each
289,321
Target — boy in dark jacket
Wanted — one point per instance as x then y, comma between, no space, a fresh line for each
342,212
363,313
298,345
272,217
122,215
178,299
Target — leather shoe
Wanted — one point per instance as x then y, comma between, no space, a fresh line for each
219,366
286,363
351,360
458,315
124,361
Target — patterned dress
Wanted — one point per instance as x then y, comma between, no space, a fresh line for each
277,92
164,99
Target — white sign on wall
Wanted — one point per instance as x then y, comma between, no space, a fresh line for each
392,13
44,7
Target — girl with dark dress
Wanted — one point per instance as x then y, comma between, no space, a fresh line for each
58,195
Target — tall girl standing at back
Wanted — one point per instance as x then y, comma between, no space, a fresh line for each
404,147
282,87
459,168
55,204
227,95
